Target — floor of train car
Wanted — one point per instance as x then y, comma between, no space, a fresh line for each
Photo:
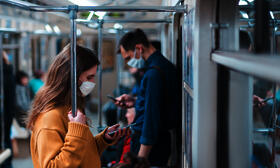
24,158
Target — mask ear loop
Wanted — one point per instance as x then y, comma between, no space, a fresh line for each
135,54
141,55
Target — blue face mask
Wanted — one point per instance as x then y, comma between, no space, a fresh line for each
136,63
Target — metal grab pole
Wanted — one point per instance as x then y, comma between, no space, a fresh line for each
73,36
2,93
274,120
119,70
100,26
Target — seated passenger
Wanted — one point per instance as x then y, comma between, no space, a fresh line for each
132,161
130,115
22,97
58,139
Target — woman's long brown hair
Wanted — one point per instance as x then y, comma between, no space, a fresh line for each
56,91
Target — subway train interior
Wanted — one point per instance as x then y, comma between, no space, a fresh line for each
226,55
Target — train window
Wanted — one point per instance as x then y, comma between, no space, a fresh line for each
11,47
258,34
266,98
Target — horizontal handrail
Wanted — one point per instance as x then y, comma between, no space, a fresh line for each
264,66
125,21
37,8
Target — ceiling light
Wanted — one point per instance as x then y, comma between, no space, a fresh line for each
48,28
112,31
56,29
100,14
244,15
79,32
93,25
241,2
90,15
41,32
271,14
83,2
118,26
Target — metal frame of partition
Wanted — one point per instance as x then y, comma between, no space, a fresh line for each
2,91
72,10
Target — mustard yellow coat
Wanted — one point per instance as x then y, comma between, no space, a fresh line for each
58,143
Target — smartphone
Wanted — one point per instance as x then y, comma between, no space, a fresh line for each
128,126
112,98
269,98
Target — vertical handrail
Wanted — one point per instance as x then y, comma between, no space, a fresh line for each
119,70
100,38
2,93
274,117
274,112
73,36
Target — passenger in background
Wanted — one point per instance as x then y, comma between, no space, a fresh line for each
37,82
156,104
9,107
58,139
130,115
261,154
115,153
22,97
132,161
138,75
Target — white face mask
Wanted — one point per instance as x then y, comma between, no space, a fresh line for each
136,63
86,87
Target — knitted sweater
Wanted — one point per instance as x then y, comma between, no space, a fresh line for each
56,142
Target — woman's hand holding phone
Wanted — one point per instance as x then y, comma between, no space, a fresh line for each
118,132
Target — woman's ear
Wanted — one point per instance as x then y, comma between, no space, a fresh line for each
79,82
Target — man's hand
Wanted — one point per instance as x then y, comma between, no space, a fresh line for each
5,58
144,150
125,101
258,102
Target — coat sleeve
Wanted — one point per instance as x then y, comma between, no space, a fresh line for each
101,143
54,152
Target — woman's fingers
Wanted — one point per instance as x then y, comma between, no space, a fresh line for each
118,133
80,117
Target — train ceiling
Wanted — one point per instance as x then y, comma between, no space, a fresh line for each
61,20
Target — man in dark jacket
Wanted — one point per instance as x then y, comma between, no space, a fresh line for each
155,104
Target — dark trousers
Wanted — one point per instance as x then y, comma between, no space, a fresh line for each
160,152
7,142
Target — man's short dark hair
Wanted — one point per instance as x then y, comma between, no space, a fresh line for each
130,39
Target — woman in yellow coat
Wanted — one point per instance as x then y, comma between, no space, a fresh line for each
58,140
